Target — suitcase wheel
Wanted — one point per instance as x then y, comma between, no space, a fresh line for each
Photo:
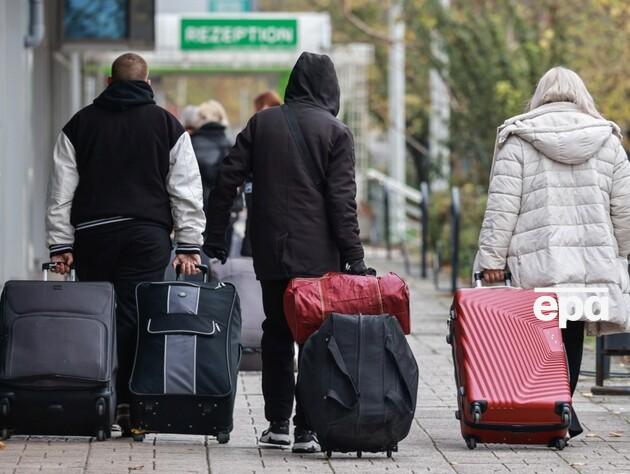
223,438
100,407
100,435
471,443
560,443
329,454
566,416
4,434
449,338
476,413
359,454
389,453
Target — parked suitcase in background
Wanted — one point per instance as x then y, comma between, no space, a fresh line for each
57,358
240,272
309,301
510,368
357,384
186,366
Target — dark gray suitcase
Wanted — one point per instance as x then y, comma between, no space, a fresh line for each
357,383
57,358
240,272
186,366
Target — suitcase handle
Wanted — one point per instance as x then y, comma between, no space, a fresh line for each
47,266
478,276
203,268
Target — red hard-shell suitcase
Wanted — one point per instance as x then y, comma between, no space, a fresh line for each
510,369
308,302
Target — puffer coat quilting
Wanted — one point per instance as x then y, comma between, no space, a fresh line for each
558,211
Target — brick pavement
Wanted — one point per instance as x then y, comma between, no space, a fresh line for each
433,445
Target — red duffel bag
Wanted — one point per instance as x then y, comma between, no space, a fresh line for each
309,301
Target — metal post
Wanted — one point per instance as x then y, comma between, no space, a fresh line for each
600,369
75,81
454,237
397,126
387,227
424,230
439,112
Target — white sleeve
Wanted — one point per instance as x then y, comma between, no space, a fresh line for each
183,184
503,207
620,202
64,180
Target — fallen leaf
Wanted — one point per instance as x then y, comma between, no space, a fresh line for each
577,464
1,445
616,434
591,435
136,468
587,394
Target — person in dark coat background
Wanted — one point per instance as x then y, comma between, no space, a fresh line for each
210,143
261,102
297,228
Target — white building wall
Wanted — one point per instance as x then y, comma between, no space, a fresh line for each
32,110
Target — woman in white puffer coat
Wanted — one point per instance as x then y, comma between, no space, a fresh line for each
558,211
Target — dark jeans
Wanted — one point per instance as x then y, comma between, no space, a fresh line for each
278,352
124,254
573,337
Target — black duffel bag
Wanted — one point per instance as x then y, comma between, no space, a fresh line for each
357,384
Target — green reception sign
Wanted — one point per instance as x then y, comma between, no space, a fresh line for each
234,33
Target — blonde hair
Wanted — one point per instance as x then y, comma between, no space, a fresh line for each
212,111
560,84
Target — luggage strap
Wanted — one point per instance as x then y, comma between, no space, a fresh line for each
334,351
312,170
404,375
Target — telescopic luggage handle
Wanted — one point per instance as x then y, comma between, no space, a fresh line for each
202,267
47,266
478,276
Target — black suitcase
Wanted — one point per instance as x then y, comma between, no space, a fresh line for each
57,358
186,366
357,383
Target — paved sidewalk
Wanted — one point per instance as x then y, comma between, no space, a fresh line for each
433,445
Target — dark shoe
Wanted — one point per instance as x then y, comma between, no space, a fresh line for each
575,429
305,441
277,435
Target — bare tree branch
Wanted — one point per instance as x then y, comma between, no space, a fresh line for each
346,8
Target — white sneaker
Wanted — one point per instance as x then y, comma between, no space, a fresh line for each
277,435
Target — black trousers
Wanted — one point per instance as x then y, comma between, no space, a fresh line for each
573,337
278,352
124,254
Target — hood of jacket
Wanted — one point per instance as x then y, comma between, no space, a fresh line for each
124,95
560,131
313,80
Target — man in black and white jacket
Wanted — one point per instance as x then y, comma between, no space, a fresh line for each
124,177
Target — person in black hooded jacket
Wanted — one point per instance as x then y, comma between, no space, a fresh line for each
299,227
